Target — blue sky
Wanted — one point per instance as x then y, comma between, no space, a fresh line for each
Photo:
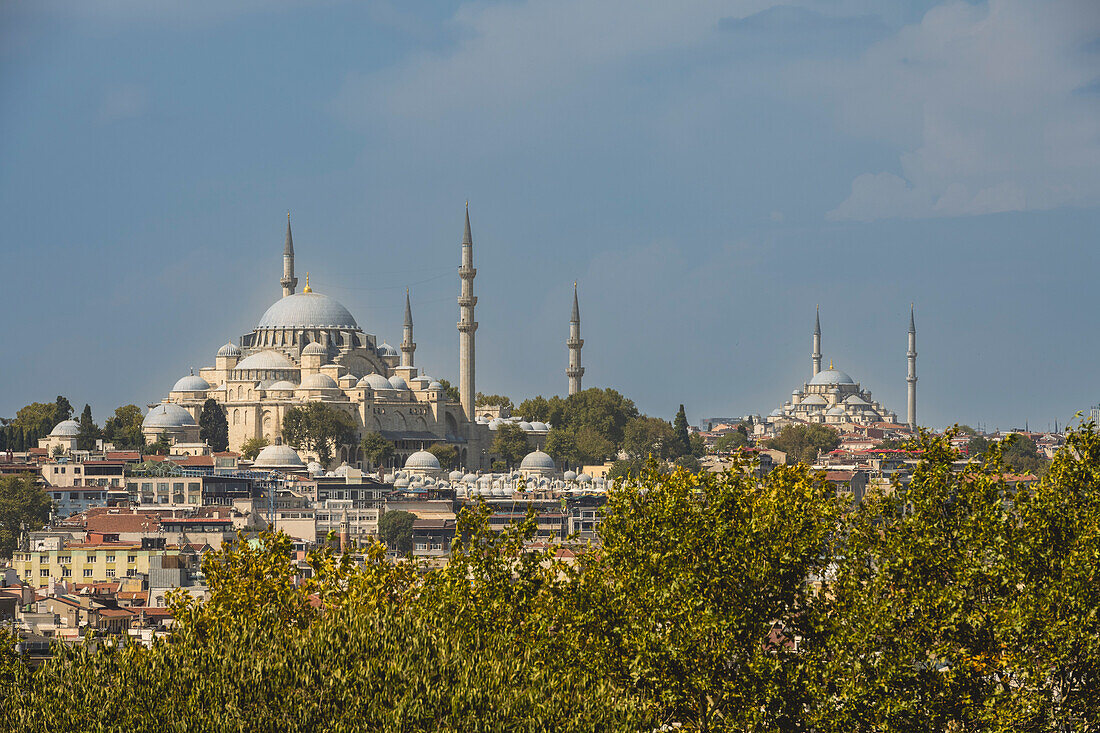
707,172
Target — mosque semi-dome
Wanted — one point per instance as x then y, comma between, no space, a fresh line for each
314,349
831,376
65,429
307,310
398,382
168,415
537,461
375,381
282,386
266,360
229,349
318,381
191,383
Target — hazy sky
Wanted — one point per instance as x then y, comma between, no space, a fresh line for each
707,172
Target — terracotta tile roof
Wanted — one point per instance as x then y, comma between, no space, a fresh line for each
839,475
124,455
118,523
133,595
115,612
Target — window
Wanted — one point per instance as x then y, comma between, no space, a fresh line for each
110,572
44,573
131,558
92,558
131,573
27,573
88,572
64,559
76,469
66,572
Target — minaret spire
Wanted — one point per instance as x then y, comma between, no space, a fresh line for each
289,282
467,326
815,357
408,346
911,379
575,342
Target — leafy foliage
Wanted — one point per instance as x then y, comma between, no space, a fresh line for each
22,505
376,448
1020,454
510,443
493,400
38,418
395,529
123,429
451,391
680,427
733,440
252,447
213,426
447,454
804,442
645,436
89,431
318,427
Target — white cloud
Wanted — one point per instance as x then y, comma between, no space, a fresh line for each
987,103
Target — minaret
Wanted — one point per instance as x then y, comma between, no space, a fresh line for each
816,356
466,323
408,346
289,282
575,342
911,417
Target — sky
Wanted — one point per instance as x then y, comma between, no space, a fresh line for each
707,172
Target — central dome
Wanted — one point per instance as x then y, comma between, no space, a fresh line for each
307,310
831,376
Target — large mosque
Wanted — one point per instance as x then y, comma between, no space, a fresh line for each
307,347
832,397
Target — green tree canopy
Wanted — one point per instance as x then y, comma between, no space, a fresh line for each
213,427
252,447
377,449
89,431
22,505
162,446
510,443
683,437
447,454
561,444
803,442
731,441
37,418
645,435
535,409
123,429
451,392
318,427
395,529
1021,455
977,446
493,400
63,409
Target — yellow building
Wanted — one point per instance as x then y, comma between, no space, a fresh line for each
85,563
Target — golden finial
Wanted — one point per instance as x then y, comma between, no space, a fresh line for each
830,360
307,288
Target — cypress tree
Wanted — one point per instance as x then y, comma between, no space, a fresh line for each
213,427
89,431
680,427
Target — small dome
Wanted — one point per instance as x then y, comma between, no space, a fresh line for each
422,460
838,410
342,470
776,413
537,461
540,427
495,423
266,360
278,456
401,483
65,429
584,478
854,400
570,476
386,350
469,478
315,468
455,475
435,386
168,415
191,383
314,349
229,349
282,385
398,382
814,399
831,376
318,381
347,380
375,381
307,310
525,426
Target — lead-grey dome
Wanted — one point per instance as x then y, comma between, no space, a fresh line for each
266,360
536,460
229,349
831,376
168,415
278,456
314,349
191,383
386,350
422,460
318,381
307,310
375,381
65,429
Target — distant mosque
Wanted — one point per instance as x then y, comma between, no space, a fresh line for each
307,347
831,397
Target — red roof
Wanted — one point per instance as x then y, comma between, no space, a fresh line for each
115,612
205,461
124,455
118,523
839,475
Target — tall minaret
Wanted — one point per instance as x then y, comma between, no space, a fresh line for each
816,356
911,417
466,323
575,342
289,282
408,346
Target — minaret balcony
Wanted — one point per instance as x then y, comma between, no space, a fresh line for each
467,301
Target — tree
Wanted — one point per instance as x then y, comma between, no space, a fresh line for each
1020,454
698,445
731,441
318,427
645,436
493,400
977,446
377,449
451,392
23,506
63,409
162,446
510,443
395,529
123,429
804,442
213,427
535,409
89,431
37,418
603,410
966,430
252,447
683,438
447,454
561,444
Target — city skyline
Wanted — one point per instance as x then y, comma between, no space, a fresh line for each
703,199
